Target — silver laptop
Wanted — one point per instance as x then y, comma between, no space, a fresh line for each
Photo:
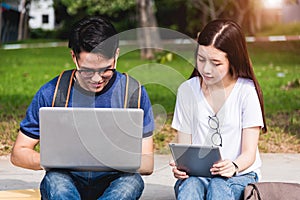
195,160
92,139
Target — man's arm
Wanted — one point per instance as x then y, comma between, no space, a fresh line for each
23,153
147,163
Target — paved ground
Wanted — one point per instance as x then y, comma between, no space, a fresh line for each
276,167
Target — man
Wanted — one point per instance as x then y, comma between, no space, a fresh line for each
94,50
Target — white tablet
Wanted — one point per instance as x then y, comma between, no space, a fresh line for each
195,160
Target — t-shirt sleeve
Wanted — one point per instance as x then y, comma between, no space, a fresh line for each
148,114
251,112
182,118
43,98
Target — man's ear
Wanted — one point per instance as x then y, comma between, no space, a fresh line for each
117,53
116,57
74,58
72,54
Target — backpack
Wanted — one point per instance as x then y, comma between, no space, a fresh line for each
132,94
272,191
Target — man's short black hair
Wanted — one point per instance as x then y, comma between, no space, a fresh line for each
94,34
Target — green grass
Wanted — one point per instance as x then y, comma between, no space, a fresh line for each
277,66
272,61
281,29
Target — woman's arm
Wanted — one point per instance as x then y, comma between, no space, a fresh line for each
246,158
249,147
183,138
23,153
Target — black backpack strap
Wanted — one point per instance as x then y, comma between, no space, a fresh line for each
63,89
132,97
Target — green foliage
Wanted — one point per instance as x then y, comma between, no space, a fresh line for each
164,57
98,6
67,13
40,33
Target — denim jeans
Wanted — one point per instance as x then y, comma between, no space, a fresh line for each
195,188
60,184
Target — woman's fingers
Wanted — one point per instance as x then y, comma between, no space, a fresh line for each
177,173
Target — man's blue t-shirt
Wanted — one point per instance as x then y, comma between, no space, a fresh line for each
110,97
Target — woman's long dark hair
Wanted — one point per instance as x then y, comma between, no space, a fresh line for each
227,36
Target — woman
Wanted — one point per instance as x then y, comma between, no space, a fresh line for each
221,105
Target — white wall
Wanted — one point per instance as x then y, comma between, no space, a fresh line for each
38,8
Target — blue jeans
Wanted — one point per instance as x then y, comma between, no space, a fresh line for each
195,188
60,184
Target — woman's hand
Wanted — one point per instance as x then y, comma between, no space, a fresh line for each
223,168
177,173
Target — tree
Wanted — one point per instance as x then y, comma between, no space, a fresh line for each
70,11
0,24
245,12
211,9
145,13
91,7
23,21
148,34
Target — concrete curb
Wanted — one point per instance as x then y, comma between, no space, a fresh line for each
159,185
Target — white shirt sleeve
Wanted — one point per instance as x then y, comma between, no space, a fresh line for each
183,113
251,110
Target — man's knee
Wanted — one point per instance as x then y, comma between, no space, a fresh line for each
57,184
135,180
127,186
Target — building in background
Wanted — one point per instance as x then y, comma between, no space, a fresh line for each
42,15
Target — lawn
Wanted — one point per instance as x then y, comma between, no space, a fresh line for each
277,66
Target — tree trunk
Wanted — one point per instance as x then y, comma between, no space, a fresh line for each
148,35
26,31
258,14
21,20
241,11
212,10
0,26
204,16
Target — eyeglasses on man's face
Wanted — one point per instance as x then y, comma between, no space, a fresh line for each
213,123
105,72
89,73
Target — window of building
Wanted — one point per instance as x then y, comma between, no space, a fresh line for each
45,19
